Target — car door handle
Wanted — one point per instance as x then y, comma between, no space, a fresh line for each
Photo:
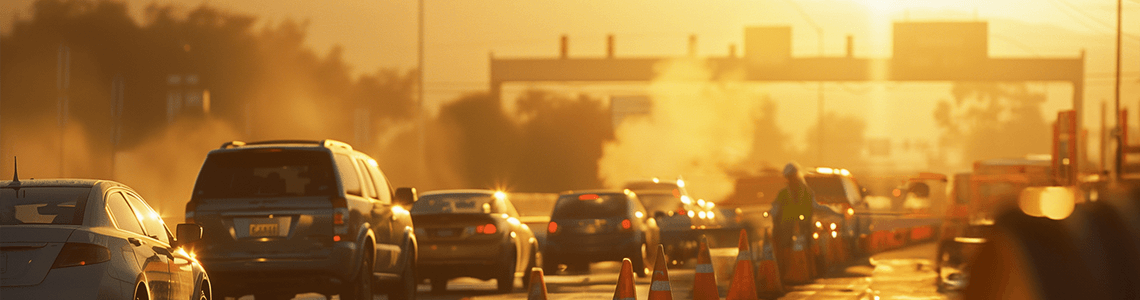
135,241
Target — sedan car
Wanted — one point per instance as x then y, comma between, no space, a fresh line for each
601,225
91,239
472,233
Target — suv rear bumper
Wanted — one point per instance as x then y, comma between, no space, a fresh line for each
300,274
591,248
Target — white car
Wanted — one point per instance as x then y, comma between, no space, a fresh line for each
91,239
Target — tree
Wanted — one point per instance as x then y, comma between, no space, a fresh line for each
983,113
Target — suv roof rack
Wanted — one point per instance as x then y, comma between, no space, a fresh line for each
327,143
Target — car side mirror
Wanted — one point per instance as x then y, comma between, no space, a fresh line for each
405,196
188,233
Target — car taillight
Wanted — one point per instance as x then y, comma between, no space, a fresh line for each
486,229
190,208
339,218
681,211
76,254
552,227
626,224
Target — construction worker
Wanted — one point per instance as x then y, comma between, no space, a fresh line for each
792,214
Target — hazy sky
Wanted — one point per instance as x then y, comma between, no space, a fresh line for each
462,34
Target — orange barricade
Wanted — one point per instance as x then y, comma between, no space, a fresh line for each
625,289
659,288
743,285
768,283
704,279
537,288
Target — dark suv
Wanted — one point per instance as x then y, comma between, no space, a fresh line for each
288,217
602,225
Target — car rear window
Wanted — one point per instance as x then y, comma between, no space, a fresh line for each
455,203
43,205
266,173
660,202
827,189
590,206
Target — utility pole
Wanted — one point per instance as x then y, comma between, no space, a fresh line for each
62,82
420,115
117,90
1116,91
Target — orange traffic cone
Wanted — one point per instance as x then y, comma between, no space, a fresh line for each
659,288
799,262
743,285
537,288
704,279
624,290
768,280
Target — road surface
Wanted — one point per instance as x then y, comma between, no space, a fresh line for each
905,273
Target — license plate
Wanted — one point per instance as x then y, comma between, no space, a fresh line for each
263,230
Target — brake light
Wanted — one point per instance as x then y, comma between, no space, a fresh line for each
552,227
76,254
626,224
588,197
340,217
681,211
486,229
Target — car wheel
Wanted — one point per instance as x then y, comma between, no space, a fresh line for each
204,293
640,261
506,279
438,285
361,287
405,288
140,293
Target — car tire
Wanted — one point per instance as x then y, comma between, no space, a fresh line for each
640,261
360,288
204,292
506,279
405,287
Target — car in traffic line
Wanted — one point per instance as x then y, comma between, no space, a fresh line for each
473,233
600,225
676,213
92,239
288,217
534,211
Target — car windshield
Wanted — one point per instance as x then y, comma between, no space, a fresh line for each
534,204
590,206
266,173
660,202
454,204
42,205
827,189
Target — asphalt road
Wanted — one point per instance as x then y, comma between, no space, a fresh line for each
905,273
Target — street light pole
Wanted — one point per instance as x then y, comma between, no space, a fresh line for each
420,114
1116,90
